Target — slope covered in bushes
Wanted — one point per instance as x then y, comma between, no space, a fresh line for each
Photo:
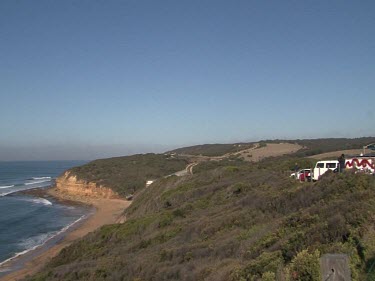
129,174
231,221
318,146
212,149
311,146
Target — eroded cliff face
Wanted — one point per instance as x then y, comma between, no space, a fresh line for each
68,183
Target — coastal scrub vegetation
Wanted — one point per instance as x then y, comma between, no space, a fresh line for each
311,146
128,174
213,149
231,220
318,146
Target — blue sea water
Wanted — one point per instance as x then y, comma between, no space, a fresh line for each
27,222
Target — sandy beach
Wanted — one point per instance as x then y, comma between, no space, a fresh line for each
107,211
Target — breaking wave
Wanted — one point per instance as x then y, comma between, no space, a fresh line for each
36,182
40,178
6,186
35,242
7,193
40,201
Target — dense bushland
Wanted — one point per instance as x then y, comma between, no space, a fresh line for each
311,146
317,146
232,220
212,149
128,174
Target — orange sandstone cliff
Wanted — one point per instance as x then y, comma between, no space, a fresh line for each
68,183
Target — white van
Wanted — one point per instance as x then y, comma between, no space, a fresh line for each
323,166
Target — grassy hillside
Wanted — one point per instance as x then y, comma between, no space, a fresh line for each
312,146
231,221
128,174
317,146
212,149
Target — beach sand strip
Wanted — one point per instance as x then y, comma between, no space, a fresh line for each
108,211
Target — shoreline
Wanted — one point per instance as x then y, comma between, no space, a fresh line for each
103,211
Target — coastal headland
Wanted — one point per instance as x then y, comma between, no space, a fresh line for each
101,184
107,210
213,212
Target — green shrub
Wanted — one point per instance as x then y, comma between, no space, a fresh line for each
268,276
305,267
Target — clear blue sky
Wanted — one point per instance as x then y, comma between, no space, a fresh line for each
87,79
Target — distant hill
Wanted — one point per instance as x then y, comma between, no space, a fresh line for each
318,146
311,146
212,149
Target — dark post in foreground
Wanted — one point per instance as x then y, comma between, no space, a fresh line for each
335,267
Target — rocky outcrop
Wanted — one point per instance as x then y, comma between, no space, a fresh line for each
68,183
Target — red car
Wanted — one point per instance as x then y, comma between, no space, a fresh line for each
302,175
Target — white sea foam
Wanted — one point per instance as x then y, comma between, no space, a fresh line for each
51,236
36,182
25,186
37,201
40,201
41,178
6,186
7,193
20,254
31,242
17,190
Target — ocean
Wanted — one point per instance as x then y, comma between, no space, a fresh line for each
28,222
